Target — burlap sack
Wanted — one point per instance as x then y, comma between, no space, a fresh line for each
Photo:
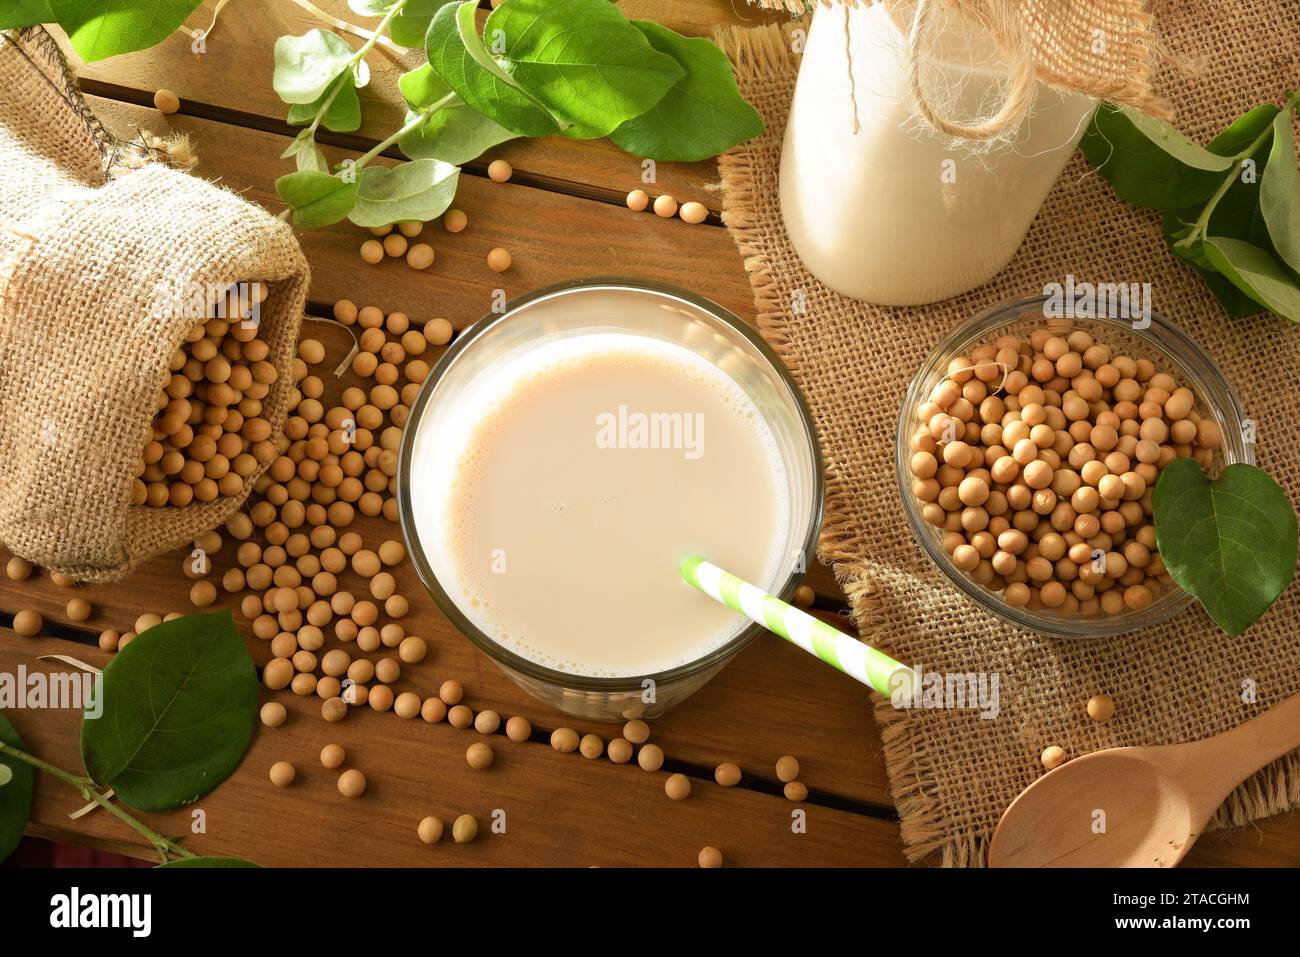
953,774
98,266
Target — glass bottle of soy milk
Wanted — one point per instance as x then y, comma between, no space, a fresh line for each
895,212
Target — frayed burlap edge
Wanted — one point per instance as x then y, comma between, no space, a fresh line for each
117,155
766,51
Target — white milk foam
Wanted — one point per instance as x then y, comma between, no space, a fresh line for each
566,552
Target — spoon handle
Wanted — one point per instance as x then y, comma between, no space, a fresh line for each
1239,753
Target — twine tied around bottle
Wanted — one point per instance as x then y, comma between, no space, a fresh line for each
1107,50
1009,33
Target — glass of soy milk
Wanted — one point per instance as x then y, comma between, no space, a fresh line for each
565,455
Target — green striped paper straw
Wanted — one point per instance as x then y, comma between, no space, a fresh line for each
858,660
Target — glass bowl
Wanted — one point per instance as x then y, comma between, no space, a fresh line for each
677,317
1168,347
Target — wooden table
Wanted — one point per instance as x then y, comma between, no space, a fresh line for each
562,217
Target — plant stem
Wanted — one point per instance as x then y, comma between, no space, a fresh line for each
419,117
164,846
204,34
336,89
1203,221
373,37
357,57
67,777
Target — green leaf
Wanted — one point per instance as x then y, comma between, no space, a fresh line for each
16,795
422,87
421,189
457,54
454,134
306,154
1236,214
1235,302
344,113
579,131
1149,163
1242,131
1230,542
305,66
409,27
179,705
1279,193
701,116
360,74
581,58
104,28
1256,273
208,862
370,8
26,13
316,198
466,15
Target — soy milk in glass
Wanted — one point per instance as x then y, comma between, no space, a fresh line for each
563,457
584,472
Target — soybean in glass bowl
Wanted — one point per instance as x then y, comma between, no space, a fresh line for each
1155,338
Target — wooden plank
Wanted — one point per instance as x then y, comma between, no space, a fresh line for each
1272,842
552,237
698,17
232,81
822,580
772,700
414,769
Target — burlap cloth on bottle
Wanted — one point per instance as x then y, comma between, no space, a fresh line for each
101,252
1105,48
953,774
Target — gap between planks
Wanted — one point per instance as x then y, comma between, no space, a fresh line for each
542,736
361,144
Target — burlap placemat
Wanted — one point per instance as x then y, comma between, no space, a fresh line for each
953,774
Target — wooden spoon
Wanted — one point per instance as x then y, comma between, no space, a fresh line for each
1137,807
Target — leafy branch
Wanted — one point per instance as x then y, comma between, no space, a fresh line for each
166,847
98,30
576,68
151,759
1200,227
318,74
1231,209
417,118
